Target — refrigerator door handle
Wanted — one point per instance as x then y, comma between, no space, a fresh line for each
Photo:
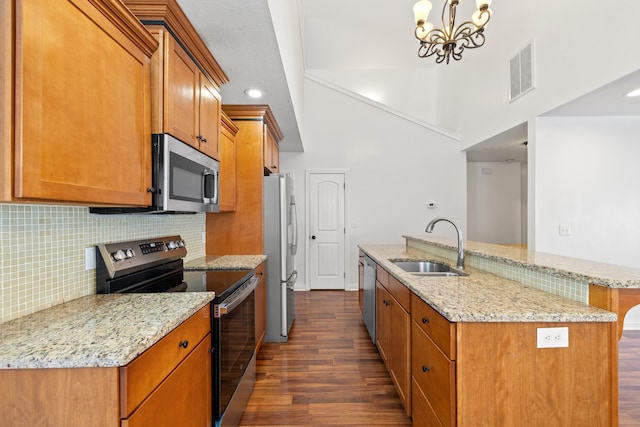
294,226
292,280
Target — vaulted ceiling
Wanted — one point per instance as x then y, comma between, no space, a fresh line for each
363,46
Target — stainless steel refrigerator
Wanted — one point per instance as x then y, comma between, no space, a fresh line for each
280,245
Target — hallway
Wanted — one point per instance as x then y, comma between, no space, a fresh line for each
329,373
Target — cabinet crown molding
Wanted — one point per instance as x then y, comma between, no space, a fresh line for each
123,19
253,112
169,12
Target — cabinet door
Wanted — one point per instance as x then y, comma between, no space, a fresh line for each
184,398
209,118
434,373
82,107
261,304
382,322
271,152
228,177
182,86
400,352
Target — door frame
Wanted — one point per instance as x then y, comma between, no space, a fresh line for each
345,174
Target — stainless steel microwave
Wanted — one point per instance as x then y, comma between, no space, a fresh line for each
184,180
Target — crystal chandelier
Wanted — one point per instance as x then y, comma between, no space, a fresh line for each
451,40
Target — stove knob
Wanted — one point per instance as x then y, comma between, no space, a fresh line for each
130,253
172,245
119,255
181,243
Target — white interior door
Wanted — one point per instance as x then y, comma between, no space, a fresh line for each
326,207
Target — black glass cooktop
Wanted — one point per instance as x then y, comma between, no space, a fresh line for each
222,282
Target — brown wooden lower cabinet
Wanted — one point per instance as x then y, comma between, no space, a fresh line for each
167,385
261,304
393,332
181,399
470,374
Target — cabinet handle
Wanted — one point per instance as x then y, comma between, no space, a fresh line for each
425,320
204,140
183,344
425,369
198,137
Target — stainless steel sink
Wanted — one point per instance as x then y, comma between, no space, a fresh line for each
429,268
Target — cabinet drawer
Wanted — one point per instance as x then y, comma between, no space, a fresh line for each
382,276
441,331
400,292
421,411
145,372
434,373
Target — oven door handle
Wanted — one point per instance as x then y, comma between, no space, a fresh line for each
236,298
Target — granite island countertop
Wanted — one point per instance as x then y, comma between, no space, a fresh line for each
96,330
225,262
482,296
597,273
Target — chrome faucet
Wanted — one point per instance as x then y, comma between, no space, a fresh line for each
429,229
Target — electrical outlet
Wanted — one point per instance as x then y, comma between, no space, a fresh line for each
553,337
564,230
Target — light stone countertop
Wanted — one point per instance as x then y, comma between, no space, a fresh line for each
96,330
597,273
481,296
225,262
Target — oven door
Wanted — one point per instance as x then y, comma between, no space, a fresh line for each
234,322
189,180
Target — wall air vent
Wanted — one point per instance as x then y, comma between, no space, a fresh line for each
521,74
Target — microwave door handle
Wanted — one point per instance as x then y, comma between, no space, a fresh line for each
205,174
216,186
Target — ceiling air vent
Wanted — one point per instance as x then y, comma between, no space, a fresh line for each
521,72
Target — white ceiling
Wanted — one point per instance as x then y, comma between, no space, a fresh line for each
354,35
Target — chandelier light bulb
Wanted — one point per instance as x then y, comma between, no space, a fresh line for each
423,30
421,11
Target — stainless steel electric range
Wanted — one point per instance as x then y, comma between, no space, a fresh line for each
156,265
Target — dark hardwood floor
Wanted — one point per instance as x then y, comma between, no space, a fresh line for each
329,373
629,378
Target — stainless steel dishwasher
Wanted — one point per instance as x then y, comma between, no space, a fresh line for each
369,296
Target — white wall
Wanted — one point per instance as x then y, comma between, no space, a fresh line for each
586,177
286,24
394,166
494,202
569,61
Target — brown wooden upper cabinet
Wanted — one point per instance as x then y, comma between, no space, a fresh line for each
271,152
242,231
74,103
190,101
185,77
228,178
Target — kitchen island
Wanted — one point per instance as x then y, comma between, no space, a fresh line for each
473,351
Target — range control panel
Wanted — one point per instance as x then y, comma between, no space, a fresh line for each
127,257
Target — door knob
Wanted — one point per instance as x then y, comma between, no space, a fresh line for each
313,237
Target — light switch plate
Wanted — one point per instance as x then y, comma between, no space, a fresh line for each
89,258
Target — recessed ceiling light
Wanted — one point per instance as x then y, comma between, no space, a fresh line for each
253,93
634,93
